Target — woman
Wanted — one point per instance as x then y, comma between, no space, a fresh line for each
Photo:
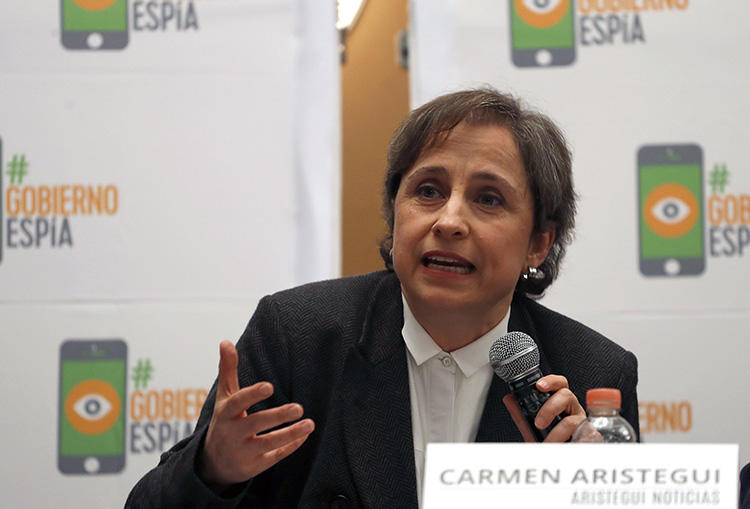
479,202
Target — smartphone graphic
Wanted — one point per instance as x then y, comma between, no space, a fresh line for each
542,32
670,210
92,407
94,24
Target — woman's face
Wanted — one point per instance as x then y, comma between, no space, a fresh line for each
463,224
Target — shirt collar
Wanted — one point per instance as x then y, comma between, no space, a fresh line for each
470,359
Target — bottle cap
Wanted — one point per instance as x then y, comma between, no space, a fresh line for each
603,398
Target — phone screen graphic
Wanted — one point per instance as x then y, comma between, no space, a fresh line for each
670,203
94,24
542,32
92,406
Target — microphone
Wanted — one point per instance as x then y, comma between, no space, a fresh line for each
515,359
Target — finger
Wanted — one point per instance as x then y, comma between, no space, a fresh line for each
552,383
587,433
272,457
228,382
266,419
515,412
562,401
284,436
246,397
565,428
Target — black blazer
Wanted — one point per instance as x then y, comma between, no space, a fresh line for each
745,487
336,348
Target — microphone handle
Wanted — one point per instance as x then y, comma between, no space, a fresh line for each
531,399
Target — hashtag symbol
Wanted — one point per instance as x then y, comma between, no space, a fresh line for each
17,169
719,178
142,373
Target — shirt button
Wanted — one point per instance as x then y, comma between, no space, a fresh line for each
339,502
447,362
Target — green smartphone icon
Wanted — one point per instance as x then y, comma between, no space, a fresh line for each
92,406
94,24
670,210
542,32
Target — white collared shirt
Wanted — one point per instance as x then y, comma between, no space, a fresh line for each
447,390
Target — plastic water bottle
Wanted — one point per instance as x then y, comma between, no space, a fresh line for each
604,422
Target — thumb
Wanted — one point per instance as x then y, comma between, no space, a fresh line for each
228,383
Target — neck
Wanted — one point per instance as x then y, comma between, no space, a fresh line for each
455,328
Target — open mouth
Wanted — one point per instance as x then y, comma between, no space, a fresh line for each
447,264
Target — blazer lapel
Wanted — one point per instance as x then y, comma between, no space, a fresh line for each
520,320
377,415
496,425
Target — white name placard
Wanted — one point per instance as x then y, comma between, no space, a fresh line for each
581,475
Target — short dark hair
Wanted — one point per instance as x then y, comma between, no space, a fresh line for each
544,153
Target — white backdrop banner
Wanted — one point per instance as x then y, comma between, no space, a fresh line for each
651,96
163,164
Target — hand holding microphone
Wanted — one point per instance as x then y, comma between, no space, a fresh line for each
543,407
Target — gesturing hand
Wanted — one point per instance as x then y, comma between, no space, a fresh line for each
233,451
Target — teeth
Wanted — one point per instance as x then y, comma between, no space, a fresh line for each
449,268
443,259
447,261
448,264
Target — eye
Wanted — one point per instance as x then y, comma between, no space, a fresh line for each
92,406
541,6
428,191
490,200
541,13
670,210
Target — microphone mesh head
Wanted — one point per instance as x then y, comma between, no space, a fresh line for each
513,354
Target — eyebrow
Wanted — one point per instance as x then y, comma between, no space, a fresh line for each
424,171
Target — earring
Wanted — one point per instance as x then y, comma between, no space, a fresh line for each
390,253
531,272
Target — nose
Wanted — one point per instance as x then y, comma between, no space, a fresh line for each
451,220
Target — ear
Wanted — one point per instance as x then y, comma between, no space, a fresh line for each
539,245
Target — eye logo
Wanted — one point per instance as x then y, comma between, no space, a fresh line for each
541,13
92,407
94,5
670,210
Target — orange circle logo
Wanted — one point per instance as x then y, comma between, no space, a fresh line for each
541,13
670,210
92,407
94,5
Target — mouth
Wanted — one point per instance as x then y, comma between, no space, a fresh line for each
448,264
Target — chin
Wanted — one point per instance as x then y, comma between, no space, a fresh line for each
447,301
